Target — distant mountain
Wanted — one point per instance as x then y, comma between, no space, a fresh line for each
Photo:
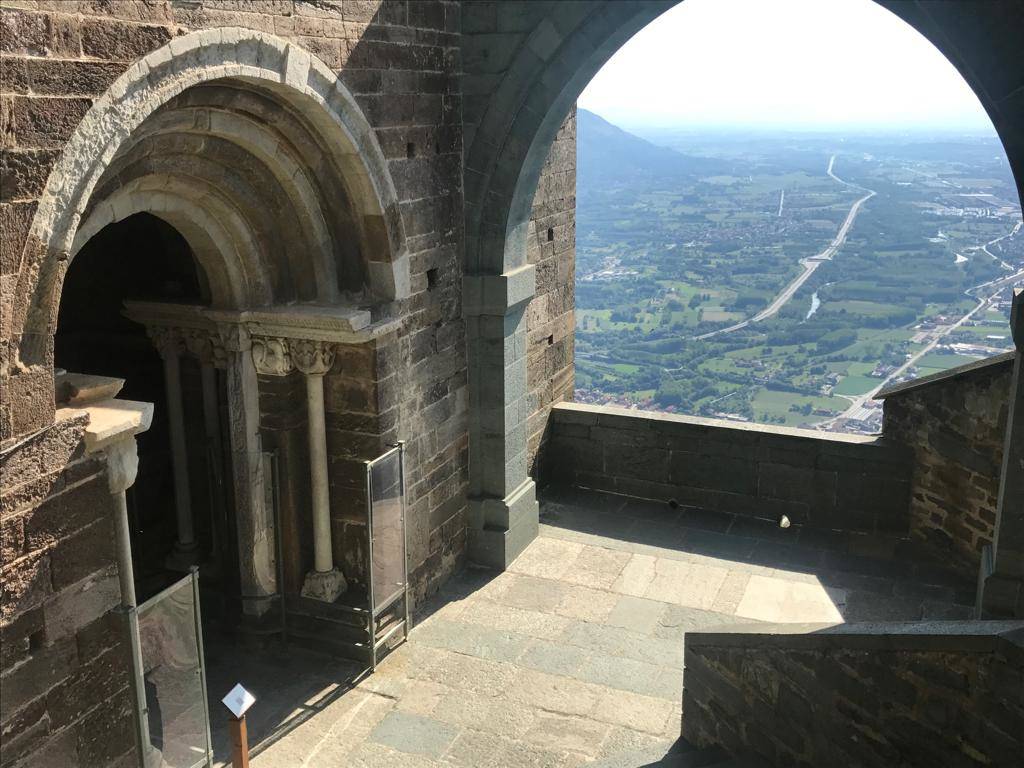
606,153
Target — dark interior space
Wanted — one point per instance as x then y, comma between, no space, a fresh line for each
144,258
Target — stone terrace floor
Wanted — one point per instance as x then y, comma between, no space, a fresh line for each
574,656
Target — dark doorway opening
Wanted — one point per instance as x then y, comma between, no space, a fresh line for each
144,258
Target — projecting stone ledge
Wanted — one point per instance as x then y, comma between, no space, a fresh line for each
1005,358
110,421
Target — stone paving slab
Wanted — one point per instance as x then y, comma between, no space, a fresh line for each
574,656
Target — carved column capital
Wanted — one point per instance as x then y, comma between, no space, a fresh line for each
314,358
167,340
207,347
122,464
271,356
234,337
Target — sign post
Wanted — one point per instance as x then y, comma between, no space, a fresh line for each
238,702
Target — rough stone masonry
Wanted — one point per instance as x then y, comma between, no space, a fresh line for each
400,171
401,63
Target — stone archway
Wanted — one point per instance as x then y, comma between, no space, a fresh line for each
262,161
271,117
522,79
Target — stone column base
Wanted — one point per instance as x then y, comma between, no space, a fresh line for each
500,529
182,557
326,586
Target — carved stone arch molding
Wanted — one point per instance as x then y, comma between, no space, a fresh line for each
303,139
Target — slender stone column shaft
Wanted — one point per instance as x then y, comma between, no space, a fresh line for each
122,467
323,556
314,359
179,451
211,422
211,425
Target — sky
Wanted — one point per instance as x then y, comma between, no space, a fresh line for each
801,64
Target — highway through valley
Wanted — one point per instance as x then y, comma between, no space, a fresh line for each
810,264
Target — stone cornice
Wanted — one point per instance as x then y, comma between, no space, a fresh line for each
281,339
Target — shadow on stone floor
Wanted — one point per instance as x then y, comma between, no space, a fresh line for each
886,576
291,685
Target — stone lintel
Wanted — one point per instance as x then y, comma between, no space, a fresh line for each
342,324
497,294
500,529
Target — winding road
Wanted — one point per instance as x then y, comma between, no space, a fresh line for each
810,264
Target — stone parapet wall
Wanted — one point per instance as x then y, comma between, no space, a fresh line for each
551,246
63,654
955,424
818,480
804,696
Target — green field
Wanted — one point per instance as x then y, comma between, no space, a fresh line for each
671,259
856,385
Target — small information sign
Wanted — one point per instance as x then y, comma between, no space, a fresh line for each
238,701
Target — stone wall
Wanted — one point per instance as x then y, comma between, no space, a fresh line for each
401,61
955,424
923,694
63,655
551,319
818,480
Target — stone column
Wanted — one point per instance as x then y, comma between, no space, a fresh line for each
314,359
168,342
111,431
503,508
211,357
122,468
1002,578
254,520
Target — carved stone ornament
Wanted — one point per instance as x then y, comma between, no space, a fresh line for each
271,356
313,358
207,347
234,337
167,340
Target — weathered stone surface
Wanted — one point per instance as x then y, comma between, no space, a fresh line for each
71,78
956,429
23,173
885,693
551,246
818,481
112,41
445,85
43,123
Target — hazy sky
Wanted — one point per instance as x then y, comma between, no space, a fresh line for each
782,63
